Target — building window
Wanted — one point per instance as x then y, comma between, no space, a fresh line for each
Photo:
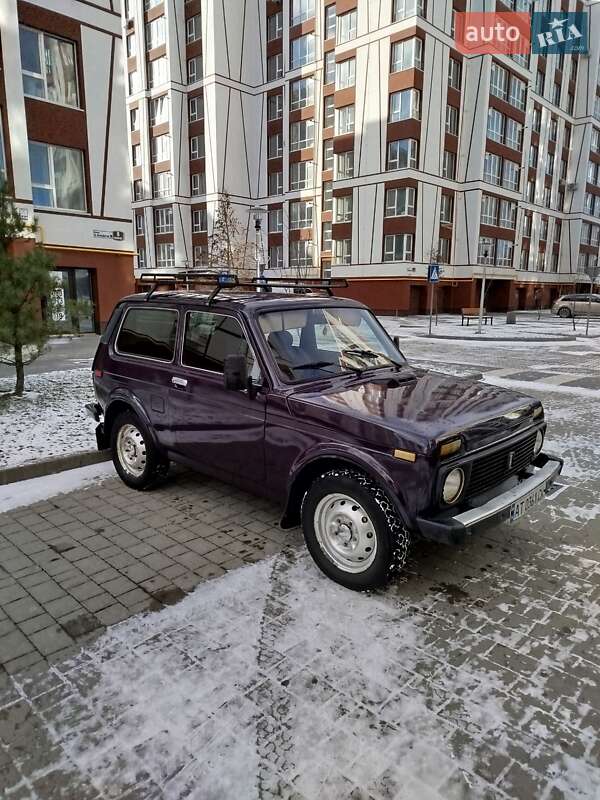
274,107
131,45
346,27
148,4
444,250
163,220
328,154
276,256
302,93
302,134
195,108
452,120
157,72
343,208
198,184
275,145
449,165
161,184
194,69
407,55
159,110
48,67
343,251
138,190
446,209
275,182
301,254
200,255
407,8
155,33
344,165
275,220
499,81
57,177
492,169
495,251
556,89
513,133
160,148
326,237
345,73
134,119
525,259
511,173
489,210
302,10
454,73
543,229
504,253
536,119
402,153
327,196
344,120
197,146
553,134
508,214
301,175
527,224
540,80
133,82
139,224
275,67
329,67
533,155
328,111
199,220
398,247
405,105
136,155
400,202
301,214
165,255
274,26
302,50
517,95
141,258
329,26
193,28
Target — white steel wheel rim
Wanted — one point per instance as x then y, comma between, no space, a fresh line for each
345,533
131,450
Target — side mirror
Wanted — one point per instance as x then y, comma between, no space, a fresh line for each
235,373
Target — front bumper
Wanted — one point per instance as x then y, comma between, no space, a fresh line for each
452,529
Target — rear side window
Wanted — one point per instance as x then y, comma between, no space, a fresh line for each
149,333
209,337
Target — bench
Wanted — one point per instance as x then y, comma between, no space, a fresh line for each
473,313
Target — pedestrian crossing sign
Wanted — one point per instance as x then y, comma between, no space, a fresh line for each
433,275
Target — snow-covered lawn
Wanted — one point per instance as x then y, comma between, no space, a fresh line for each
49,420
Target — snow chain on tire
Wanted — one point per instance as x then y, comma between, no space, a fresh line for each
399,533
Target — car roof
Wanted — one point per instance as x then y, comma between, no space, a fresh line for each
248,301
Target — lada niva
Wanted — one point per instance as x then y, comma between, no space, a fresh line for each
305,399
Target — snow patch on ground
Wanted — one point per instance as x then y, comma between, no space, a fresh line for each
50,420
23,493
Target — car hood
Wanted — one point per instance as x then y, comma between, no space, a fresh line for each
414,408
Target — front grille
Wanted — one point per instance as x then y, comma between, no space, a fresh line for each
494,468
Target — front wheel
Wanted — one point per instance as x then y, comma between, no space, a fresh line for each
353,531
564,312
134,455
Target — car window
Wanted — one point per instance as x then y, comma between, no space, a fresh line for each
209,337
310,343
149,333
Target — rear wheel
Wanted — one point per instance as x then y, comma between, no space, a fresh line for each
353,531
134,455
564,312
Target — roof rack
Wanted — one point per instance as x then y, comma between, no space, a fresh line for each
228,280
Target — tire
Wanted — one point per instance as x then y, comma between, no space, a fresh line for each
134,454
564,312
370,543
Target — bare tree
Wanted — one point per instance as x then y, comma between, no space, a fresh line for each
228,248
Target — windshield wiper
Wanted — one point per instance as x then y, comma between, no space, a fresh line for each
358,351
314,365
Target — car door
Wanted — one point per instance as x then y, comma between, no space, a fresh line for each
219,430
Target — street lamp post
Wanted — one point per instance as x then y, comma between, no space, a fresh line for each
592,272
482,294
257,213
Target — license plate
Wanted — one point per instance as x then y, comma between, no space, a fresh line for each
522,506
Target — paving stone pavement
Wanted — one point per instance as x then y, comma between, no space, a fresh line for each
474,675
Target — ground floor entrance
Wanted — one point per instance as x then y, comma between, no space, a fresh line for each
75,300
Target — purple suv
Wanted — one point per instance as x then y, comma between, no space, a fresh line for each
306,400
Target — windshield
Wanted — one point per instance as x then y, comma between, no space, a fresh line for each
311,343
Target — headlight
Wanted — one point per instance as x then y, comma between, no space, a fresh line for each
538,411
453,485
539,443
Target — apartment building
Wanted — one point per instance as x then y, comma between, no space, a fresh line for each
63,142
373,145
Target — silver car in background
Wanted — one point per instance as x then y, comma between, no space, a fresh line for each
576,305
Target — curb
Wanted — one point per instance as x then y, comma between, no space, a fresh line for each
50,466
483,338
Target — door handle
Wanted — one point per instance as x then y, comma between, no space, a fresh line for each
180,382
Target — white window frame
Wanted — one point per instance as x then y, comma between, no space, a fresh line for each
193,28
199,220
162,103
197,146
400,202
160,148
301,175
302,50
165,255
279,182
42,76
301,10
412,159
398,247
407,54
405,104
344,165
344,120
301,214
302,93
275,29
274,74
197,184
195,71
155,32
196,108
342,251
345,73
160,190
302,134
163,219
300,259
343,208
277,150
346,27
278,98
